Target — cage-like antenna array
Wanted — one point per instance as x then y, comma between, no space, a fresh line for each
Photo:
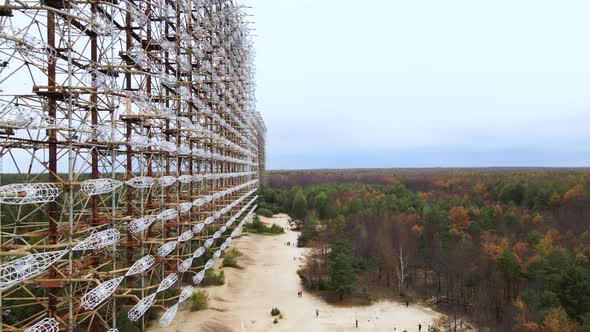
129,146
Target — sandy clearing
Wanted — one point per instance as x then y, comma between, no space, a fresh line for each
268,280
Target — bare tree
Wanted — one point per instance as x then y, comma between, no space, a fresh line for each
401,267
404,243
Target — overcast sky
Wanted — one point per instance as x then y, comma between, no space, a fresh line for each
425,83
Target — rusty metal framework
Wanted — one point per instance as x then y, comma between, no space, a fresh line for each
130,153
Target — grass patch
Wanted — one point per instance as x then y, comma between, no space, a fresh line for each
213,279
264,212
199,300
231,258
257,226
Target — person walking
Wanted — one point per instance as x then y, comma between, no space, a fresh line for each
356,322
419,327
317,313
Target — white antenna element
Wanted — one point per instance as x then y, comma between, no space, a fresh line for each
28,193
184,149
166,248
141,307
185,236
166,146
21,269
167,112
184,122
185,65
185,265
199,277
137,54
185,179
167,180
167,79
236,231
103,81
168,316
139,142
141,182
216,255
137,15
87,133
100,293
140,224
99,186
98,240
45,325
209,264
170,280
208,243
216,235
185,294
168,214
185,207
34,49
13,115
228,241
141,265
184,91
198,228
199,252
198,202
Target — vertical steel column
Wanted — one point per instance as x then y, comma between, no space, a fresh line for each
52,139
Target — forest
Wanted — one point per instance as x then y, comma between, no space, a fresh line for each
507,249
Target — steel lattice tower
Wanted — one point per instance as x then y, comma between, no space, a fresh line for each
131,151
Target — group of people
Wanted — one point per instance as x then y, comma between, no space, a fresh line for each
356,324
356,321
430,328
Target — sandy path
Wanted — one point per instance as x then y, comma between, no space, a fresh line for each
268,280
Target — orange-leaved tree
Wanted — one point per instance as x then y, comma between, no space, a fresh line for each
458,218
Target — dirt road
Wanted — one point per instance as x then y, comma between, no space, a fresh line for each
268,280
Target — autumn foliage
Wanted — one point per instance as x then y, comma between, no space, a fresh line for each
458,218
507,248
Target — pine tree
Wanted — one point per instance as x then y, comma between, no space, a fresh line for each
342,268
299,208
